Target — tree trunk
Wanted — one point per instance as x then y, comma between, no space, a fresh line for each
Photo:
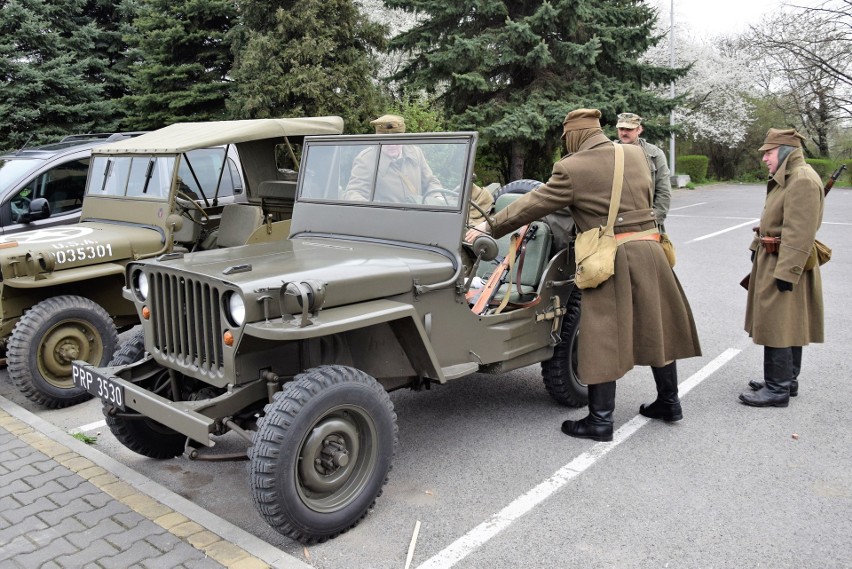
516,164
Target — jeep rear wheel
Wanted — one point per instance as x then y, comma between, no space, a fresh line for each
48,338
322,452
560,372
140,434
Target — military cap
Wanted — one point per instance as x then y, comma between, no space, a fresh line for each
387,124
781,136
628,120
581,119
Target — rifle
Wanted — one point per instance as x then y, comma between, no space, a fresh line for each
827,188
502,273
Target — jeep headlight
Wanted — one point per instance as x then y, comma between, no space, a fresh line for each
140,285
236,309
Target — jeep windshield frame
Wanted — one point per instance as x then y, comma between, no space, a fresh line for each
400,188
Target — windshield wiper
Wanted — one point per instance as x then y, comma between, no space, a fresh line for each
148,173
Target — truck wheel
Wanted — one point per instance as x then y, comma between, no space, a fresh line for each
322,452
48,338
141,435
560,372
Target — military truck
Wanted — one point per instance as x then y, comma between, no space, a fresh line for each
294,345
184,187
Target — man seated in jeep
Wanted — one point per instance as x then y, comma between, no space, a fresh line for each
404,174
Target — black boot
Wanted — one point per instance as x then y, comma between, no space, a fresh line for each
598,424
797,367
667,404
778,376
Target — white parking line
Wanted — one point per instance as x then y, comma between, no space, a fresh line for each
686,206
751,222
479,535
92,426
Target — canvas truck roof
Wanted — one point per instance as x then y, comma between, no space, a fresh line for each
182,137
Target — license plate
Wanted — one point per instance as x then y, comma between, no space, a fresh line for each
110,392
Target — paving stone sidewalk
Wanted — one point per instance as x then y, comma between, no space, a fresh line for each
60,508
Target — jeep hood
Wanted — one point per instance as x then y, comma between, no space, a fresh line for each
352,270
44,251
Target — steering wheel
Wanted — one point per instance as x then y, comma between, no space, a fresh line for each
187,203
443,192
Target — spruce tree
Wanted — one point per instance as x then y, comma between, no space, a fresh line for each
307,58
512,69
50,71
182,50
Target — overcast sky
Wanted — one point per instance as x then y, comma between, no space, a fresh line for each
719,17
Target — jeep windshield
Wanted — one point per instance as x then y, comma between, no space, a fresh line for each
389,173
199,173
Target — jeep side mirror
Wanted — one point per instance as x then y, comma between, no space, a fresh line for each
39,209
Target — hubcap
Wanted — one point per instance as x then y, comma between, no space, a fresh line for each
336,459
65,342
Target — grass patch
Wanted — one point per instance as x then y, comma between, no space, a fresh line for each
83,437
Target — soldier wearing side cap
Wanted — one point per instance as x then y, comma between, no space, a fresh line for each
640,315
630,127
784,310
404,174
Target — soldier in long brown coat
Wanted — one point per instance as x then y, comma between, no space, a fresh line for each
639,316
784,310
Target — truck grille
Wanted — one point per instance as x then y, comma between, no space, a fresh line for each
187,322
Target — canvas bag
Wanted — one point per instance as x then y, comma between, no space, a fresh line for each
820,255
594,250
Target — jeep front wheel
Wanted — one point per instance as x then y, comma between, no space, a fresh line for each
560,372
141,434
51,335
322,452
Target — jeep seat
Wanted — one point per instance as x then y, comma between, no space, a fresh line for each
238,222
536,256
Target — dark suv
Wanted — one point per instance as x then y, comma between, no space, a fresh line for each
43,186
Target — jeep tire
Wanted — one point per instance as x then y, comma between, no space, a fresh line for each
45,341
322,452
140,434
560,372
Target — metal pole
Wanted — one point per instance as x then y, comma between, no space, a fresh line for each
672,116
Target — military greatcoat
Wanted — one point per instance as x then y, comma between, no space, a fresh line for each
792,211
640,316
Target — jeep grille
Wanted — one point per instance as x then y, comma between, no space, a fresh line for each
187,322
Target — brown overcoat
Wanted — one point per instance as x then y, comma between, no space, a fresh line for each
793,212
640,316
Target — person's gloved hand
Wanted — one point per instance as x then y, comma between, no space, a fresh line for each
783,286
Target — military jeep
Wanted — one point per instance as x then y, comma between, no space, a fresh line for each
294,345
181,188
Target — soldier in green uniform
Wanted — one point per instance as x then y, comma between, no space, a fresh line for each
640,315
629,128
784,310
404,174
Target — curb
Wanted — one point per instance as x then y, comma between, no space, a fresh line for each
219,539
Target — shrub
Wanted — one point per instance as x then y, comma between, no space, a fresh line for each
823,166
695,166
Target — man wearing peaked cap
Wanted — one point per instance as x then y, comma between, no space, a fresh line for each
643,294
629,128
403,175
784,309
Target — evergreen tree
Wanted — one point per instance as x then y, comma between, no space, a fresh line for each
182,50
512,69
50,72
307,58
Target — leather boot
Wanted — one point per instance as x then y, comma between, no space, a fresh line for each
667,404
797,367
598,424
778,376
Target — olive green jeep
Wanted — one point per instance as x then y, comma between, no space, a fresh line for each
184,187
294,345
